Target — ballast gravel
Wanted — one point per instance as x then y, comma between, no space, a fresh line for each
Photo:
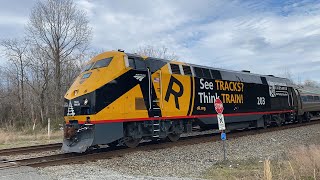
188,162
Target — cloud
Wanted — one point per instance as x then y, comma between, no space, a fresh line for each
258,36
265,37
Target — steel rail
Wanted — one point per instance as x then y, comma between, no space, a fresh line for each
30,149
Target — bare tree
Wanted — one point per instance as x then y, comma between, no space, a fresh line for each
61,31
40,75
16,51
311,83
152,51
287,74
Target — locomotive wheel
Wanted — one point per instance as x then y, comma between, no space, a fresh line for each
113,144
131,143
265,124
173,137
278,121
307,117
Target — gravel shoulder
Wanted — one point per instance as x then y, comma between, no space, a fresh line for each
192,161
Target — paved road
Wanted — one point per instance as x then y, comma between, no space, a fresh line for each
20,173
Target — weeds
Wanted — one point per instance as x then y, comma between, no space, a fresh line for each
13,138
267,170
300,163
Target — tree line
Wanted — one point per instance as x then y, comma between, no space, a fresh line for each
42,64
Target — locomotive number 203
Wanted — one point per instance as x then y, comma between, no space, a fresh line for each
261,101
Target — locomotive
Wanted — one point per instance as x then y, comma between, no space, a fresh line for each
121,98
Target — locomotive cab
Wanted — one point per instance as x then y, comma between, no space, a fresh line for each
81,99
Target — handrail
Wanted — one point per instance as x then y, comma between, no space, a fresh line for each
160,79
149,76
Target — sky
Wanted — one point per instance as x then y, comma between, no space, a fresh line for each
265,37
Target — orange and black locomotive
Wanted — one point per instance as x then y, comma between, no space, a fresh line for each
122,98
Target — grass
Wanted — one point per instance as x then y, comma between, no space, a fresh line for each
305,162
249,169
11,138
300,163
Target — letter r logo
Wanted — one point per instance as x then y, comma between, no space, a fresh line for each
176,94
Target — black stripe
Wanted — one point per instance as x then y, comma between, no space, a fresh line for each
110,92
113,90
191,97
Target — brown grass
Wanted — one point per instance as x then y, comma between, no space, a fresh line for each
10,139
300,163
305,162
267,170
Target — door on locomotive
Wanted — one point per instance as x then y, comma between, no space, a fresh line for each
155,100
151,87
155,90
299,102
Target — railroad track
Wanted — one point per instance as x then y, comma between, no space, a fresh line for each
30,149
107,153
4,164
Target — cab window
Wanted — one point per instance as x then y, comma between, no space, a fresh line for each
140,64
86,75
102,63
137,63
87,67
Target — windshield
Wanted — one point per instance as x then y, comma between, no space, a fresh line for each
87,67
87,75
102,63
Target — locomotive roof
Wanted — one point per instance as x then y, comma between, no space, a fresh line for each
230,74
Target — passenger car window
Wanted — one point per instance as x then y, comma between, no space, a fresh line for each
102,63
316,98
304,98
310,98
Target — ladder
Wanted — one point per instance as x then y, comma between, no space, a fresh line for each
155,97
156,127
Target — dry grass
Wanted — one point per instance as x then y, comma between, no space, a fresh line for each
267,170
10,139
301,163
305,162
247,170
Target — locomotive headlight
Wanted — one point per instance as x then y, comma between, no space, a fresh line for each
85,102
